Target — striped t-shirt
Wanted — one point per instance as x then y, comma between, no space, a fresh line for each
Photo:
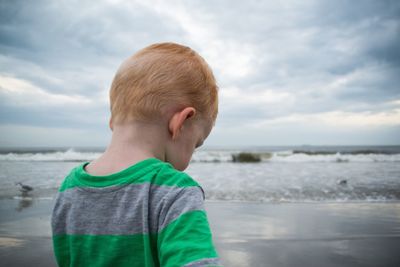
148,214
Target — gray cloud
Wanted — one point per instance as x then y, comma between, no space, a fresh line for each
307,56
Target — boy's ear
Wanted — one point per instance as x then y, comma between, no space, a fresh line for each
110,124
178,119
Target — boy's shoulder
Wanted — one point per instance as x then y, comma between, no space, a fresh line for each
157,172
169,176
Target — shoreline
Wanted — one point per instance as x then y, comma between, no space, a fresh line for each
244,233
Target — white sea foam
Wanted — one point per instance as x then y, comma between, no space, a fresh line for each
32,198
290,156
214,156
338,157
69,155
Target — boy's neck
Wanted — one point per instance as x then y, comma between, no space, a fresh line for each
131,143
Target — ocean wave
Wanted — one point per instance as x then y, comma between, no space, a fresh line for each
297,156
68,155
218,156
337,157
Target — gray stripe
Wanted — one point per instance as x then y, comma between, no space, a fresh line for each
204,262
177,203
122,210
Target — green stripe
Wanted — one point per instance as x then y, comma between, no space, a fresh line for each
105,250
186,239
151,171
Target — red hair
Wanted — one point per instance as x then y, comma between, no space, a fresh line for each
159,77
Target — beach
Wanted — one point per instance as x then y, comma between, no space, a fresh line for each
245,233
298,206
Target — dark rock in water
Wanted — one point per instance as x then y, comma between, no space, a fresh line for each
342,182
246,157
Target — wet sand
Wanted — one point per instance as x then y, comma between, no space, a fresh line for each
300,234
25,233
245,234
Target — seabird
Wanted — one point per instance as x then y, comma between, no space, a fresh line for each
24,188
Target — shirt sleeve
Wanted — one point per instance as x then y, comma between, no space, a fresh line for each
184,236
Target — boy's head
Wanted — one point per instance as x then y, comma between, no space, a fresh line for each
160,78
167,83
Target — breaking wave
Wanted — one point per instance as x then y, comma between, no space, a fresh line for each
68,155
220,156
299,156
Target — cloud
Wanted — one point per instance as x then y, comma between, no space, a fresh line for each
276,63
23,93
23,102
342,119
231,58
16,136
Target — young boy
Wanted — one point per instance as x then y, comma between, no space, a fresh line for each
134,205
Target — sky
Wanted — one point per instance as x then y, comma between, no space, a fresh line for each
289,72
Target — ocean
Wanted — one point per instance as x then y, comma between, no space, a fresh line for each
284,173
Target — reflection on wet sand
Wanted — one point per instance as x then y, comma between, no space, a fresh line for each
306,234
24,202
11,242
